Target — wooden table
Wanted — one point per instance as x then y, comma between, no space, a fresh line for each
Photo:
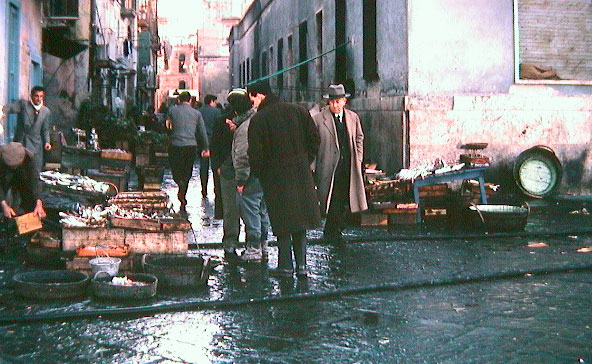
463,174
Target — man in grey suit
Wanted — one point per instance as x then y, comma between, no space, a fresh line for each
32,128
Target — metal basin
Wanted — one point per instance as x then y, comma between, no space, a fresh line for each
51,284
102,287
178,270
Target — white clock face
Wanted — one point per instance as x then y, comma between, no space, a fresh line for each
536,176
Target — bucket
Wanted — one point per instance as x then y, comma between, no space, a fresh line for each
105,264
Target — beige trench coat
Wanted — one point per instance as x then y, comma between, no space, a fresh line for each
326,162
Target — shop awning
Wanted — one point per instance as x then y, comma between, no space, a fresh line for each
56,43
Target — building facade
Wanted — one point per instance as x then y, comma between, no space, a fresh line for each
178,72
21,66
427,76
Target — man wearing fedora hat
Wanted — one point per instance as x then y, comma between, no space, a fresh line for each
338,165
18,173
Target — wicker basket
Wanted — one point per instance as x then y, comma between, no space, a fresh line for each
499,217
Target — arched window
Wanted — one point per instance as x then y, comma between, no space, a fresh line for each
182,85
182,63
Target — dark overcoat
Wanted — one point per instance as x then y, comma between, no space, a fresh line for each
283,141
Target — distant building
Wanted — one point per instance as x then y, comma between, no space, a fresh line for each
427,76
178,71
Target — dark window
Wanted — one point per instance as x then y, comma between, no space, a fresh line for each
280,63
248,75
264,64
270,60
182,85
369,30
240,74
303,52
61,8
340,56
319,61
182,63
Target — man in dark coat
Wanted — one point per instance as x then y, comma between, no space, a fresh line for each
210,112
283,141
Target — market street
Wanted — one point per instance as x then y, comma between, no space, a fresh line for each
422,313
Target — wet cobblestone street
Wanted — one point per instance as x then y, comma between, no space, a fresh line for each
518,318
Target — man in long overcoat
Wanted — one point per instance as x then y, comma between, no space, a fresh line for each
338,165
32,128
283,141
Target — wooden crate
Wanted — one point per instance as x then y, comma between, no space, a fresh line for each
403,217
75,237
137,224
27,223
118,179
175,224
373,219
119,155
81,264
166,242
46,240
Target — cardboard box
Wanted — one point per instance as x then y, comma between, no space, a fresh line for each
27,223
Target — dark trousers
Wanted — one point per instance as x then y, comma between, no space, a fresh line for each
339,203
204,170
181,160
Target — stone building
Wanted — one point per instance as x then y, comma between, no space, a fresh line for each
148,50
21,44
427,76
177,72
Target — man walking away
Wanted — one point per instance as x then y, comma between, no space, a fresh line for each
32,128
283,141
338,166
188,128
210,112
251,204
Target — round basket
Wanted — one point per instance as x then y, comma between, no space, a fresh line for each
103,287
51,284
178,270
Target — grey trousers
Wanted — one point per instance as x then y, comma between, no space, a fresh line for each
231,217
253,211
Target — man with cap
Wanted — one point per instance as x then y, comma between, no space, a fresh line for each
282,142
210,112
17,173
338,164
32,128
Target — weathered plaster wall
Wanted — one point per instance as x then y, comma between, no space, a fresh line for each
510,123
461,46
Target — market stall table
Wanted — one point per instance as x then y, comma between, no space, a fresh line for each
461,175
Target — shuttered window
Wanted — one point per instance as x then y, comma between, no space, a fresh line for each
554,40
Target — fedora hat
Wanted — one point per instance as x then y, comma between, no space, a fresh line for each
13,154
336,92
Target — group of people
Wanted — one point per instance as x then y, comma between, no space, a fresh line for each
278,167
